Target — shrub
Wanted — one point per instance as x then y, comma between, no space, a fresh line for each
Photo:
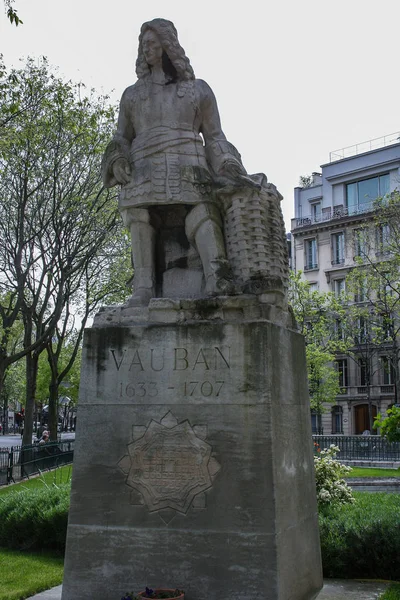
392,593
329,472
362,540
35,519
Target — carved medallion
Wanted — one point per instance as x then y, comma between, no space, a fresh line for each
169,464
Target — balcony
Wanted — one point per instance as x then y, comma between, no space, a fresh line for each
387,389
337,261
330,214
311,266
381,142
375,391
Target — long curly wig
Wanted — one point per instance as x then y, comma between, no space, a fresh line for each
175,62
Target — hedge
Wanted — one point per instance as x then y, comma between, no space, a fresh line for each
35,519
362,540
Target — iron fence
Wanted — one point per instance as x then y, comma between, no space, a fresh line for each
360,447
18,462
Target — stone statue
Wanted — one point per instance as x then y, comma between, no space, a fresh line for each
179,177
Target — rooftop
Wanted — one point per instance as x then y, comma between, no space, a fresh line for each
375,144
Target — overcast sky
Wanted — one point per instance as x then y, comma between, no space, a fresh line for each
294,79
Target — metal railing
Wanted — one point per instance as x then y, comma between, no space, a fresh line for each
380,142
19,462
337,212
360,447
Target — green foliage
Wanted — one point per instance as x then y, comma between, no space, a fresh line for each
48,479
372,472
390,425
362,540
24,574
62,237
317,314
374,289
35,519
332,490
12,13
305,181
392,592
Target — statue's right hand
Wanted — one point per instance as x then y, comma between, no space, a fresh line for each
122,171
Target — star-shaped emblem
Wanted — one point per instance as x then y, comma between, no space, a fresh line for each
170,464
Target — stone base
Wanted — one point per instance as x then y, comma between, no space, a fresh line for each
193,461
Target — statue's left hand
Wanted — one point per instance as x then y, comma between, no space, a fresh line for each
235,171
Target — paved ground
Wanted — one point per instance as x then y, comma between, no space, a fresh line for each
334,589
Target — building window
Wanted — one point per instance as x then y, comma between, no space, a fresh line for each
360,242
361,194
363,371
316,423
311,254
343,372
339,333
339,286
316,212
338,248
382,239
313,286
361,293
337,419
387,371
362,331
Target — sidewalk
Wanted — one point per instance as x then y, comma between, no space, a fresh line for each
334,589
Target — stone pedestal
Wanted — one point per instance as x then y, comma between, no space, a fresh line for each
193,463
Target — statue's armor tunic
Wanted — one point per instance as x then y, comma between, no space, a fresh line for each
159,129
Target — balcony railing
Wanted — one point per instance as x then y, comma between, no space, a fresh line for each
381,142
337,212
311,266
374,391
387,389
337,261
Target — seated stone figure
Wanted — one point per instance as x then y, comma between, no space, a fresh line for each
170,156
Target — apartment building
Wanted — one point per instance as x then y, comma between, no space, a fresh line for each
330,208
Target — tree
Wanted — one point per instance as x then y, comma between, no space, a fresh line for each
12,13
55,216
316,314
374,288
389,426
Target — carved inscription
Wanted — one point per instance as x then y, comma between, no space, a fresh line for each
175,359
169,465
200,373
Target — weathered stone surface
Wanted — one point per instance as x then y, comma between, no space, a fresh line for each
219,409
185,194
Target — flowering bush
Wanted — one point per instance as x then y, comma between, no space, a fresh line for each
329,472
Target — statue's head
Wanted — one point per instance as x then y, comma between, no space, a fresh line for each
174,60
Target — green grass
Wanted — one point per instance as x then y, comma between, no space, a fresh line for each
49,478
372,472
24,574
392,593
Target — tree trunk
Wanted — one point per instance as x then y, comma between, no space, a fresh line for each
53,410
4,402
32,363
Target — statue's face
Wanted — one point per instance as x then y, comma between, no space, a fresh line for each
152,48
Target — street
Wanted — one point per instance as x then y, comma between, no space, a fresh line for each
6,441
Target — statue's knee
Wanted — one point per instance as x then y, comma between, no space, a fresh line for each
200,214
135,215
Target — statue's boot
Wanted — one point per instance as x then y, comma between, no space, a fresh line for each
204,230
143,238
